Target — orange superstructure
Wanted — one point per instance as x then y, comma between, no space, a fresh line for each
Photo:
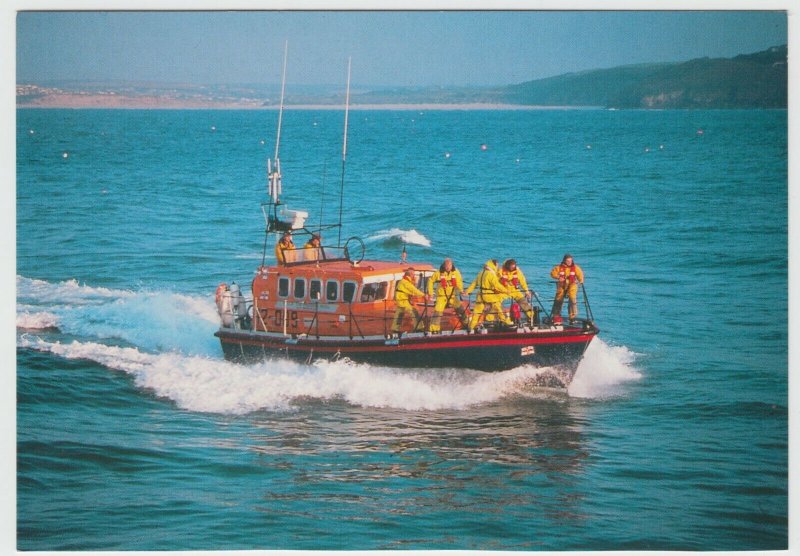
333,298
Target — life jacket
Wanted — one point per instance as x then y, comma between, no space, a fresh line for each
513,280
444,282
568,273
220,290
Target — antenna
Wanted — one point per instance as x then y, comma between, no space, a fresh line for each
322,193
283,90
275,176
344,149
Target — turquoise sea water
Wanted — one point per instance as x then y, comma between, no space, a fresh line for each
134,434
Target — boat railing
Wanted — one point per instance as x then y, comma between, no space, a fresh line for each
363,321
312,255
586,305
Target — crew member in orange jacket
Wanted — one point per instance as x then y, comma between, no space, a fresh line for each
448,294
568,276
403,293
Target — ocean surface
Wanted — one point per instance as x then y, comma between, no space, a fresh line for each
134,434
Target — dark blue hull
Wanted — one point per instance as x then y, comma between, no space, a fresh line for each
498,351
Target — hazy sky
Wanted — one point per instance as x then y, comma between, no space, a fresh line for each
388,48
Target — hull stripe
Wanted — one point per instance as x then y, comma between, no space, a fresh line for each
418,344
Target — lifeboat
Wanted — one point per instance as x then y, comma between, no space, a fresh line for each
325,301
334,308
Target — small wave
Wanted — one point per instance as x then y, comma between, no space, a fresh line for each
37,321
603,370
396,236
68,291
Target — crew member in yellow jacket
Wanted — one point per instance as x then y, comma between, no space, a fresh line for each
490,295
512,277
284,249
448,294
568,276
403,293
312,250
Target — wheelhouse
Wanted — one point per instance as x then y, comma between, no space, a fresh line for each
328,298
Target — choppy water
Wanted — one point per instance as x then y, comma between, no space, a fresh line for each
134,434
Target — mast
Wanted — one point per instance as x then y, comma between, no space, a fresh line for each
344,149
274,174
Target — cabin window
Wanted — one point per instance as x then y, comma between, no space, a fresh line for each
315,289
283,286
332,290
299,288
349,291
374,292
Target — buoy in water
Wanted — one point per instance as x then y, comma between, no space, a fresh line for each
484,147
588,147
447,155
31,131
65,155
213,128
700,132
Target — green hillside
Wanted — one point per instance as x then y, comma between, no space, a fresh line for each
588,88
748,81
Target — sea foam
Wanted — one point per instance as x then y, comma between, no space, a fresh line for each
37,320
206,384
603,370
153,320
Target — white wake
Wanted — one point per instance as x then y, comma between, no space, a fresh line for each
165,341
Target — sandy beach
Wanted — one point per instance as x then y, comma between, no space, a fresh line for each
118,101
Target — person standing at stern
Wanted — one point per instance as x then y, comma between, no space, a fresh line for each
568,275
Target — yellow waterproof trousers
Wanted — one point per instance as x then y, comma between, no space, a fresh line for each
523,303
403,308
442,302
495,310
571,291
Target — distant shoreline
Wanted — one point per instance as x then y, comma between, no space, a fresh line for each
87,104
